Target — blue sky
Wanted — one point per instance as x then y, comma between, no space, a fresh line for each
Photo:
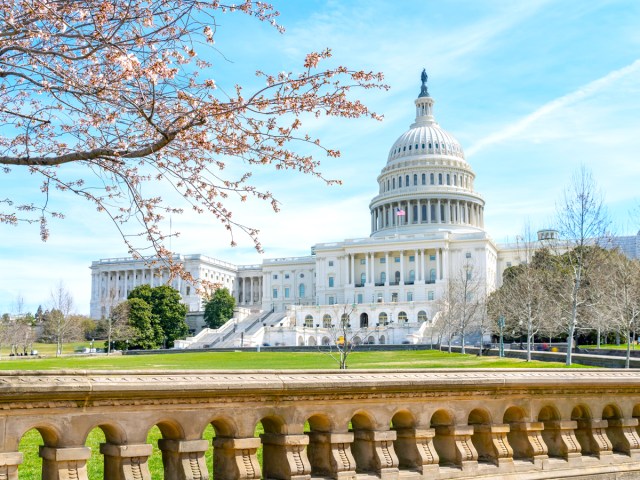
532,90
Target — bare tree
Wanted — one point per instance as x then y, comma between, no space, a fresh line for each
462,304
117,325
582,222
60,325
622,298
342,335
125,91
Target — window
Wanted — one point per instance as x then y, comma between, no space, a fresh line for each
383,260
275,293
406,181
332,301
363,278
302,275
423,145
412,275
331,282
379,298
432,258
363,261
308,321
387,185
415,179
424,179
409,296
396,259
359,298
402,317
399,182
301,290
455,180
286,275
468,255
432,179
448,179
424,213
508,265
326,321
440,179
394,297
275,277
432,275
414,216
412,258
422,316
331,263
189,289
383,277
383,318
430,296
394,183
286,292
397,276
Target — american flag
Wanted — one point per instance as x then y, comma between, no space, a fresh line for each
400,212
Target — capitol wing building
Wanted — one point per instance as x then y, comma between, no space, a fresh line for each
427,232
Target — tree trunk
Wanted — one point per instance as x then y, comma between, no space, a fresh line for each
598,337
626,361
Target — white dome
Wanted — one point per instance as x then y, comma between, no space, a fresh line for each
426,139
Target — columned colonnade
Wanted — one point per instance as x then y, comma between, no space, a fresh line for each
389,266
249,290
459,212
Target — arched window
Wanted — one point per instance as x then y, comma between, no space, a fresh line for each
433,213
301,290
432,178
406,181
422,316
387,184
394,183
308,321
440,179
383,318
399,182
424,179
326,321
414,216
424,213
412,276
455,180
415,179
363,278
364,320
397,276
402,317
383,277
432,275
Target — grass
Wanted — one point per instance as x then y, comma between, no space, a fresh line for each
269,360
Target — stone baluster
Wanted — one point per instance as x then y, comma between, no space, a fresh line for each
9,462
592,435
623,436
373,451
330,455
184,459
235,458
68,463
415,450
126,462
285,457
559,435
492,445
525,438
456,446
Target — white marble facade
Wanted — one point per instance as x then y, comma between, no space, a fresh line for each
407,259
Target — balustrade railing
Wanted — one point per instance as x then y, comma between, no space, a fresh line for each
508,424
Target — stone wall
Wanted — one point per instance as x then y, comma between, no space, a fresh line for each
511,424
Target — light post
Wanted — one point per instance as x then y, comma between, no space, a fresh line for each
501,327
91,345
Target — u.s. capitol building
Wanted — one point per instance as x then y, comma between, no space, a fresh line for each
427,229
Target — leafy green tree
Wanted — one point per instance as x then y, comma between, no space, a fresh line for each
146,332
219,308
165,305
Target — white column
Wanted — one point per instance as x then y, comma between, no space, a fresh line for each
345,269
423,254
373,268
244,291
439,212
438,269
416,263
386,269
401,267
367,280
445,263
353,269
428,211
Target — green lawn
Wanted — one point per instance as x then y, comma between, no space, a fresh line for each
269,360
